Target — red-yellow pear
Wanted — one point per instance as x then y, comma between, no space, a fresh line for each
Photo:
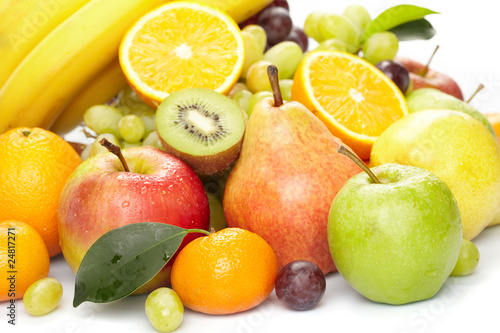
285,180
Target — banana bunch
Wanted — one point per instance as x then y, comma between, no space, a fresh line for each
59,57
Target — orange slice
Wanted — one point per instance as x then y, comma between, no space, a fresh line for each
182,45
355,100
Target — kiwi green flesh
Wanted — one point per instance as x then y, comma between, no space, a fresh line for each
202,127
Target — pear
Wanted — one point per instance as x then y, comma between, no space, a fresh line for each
458,149
286,178
430,98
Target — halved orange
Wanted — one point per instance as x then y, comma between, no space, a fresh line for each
182,45
355,100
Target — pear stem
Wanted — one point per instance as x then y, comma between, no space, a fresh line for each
426,68
479,88
343,150
115,150
272,72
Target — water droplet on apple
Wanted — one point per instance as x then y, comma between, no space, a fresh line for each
125,204
431,272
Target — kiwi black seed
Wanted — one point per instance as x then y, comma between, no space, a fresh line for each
202,127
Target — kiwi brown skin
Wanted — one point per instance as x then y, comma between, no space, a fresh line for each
208,164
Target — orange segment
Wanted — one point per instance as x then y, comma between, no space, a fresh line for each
353,98
182,45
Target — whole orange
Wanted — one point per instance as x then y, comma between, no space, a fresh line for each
34,166
24,258
229,271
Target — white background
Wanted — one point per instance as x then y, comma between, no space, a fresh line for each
468,39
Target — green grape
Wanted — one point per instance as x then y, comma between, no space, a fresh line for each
311,26
237,87
333,44
147,116
243,97
252,52
257,97
337,26
286,56
467,260
85,153
217,219
380,46
128,97
125,144
164,309
132,128
153,140
42,296
257,79
259,34
103,119
358,15
124,109
286,89
96,148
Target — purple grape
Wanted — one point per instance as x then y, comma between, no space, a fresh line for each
277,23
280,3
251,20
298,36
396,72
300,285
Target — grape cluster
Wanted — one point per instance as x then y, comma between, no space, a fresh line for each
345,33
126,121
276,21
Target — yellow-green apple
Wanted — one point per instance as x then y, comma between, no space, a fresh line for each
455,147
285,179
430,98
396,241
430,78
100,196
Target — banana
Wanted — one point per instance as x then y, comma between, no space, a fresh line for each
24,23
100,89
239,10
67,58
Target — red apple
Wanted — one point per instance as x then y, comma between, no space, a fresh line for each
99,196
431,78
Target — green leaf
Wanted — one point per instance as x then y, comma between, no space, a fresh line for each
124,259
396,16
419,29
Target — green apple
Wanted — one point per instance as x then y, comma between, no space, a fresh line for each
455,147
430,98
398,241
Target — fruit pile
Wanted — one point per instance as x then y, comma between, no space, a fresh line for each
227,161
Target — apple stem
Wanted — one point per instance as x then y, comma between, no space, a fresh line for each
426,68
115,150
479,88
343,150
272,72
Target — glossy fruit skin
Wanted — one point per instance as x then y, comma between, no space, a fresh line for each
43,296
396,72
29,257
432,79
277,23
434,140
230,271
467,260
31,193
284,188
298,36
300,285
164,309
159,188
404,242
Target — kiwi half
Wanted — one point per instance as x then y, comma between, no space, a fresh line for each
202,127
